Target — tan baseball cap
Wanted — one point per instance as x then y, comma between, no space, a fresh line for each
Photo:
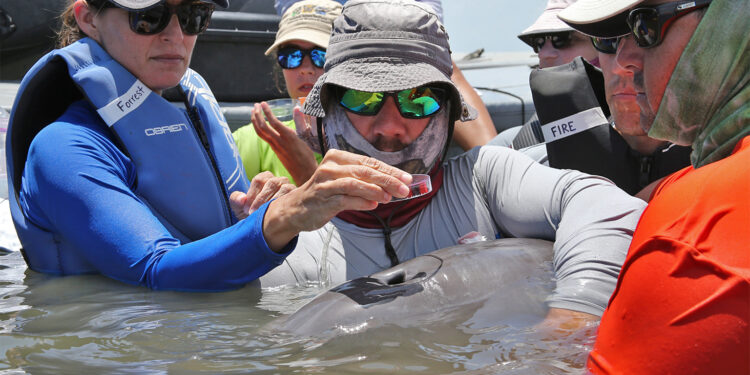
308,20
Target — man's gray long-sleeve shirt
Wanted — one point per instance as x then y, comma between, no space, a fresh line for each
497,192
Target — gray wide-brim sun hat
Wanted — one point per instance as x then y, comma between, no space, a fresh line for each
386,45
143,4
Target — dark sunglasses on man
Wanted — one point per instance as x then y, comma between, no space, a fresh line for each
648,25
193,17
290,56
559,40
606,45
416,103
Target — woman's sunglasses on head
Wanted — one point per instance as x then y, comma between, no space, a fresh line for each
416,103
648,25
558,40
193,17
290,57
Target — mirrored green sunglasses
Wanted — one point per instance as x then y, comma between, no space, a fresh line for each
419,102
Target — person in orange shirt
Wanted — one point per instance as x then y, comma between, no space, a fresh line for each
682,301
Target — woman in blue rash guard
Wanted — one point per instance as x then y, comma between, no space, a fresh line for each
106,176
111,178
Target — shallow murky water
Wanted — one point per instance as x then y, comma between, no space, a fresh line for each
91,324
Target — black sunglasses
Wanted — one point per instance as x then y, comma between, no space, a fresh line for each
193,17
606,45
648,25
290,57
559,40
416,103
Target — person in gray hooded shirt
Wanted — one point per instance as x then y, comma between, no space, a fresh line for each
386,93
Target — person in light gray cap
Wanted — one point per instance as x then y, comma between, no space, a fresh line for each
386,93
554,41
682,303
557,44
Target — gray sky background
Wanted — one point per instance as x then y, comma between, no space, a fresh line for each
489,24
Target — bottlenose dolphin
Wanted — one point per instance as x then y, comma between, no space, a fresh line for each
495,279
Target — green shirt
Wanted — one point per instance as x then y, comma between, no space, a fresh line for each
258,156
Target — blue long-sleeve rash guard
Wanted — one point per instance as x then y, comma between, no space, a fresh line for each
78,185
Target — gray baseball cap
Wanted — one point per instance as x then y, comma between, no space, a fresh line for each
547,23
386,45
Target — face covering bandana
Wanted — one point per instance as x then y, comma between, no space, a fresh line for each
418,157
707,100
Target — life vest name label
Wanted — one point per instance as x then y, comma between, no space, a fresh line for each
574,124
128,102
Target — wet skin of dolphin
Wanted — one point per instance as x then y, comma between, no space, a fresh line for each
498,279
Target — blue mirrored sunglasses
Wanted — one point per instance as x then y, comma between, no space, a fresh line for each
290,57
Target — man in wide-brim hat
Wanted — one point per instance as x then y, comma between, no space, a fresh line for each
386,93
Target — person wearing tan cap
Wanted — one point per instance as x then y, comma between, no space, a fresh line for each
682,303
300,50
